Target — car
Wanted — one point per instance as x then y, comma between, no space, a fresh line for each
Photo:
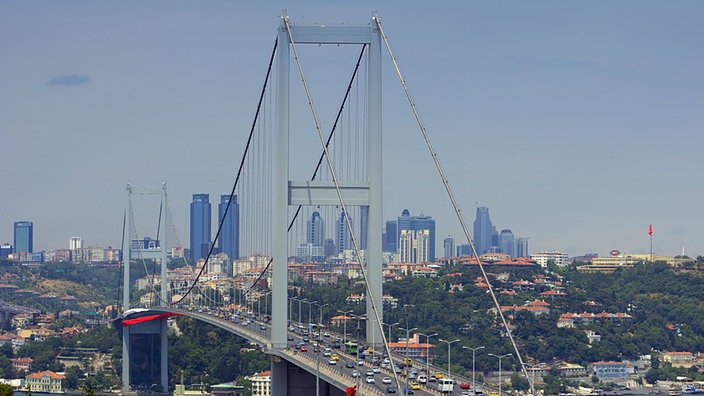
335,356
349,364
262,327
390,389
290,338
376,370
439,375
408,391
464,385
327,354
356,374
304,348
370,380
386,380
332,362
415,385
370,373
360,363
326,334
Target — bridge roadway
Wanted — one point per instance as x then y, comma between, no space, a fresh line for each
338,375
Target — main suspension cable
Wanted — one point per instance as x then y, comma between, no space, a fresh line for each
451,195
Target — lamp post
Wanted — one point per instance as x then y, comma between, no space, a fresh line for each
300,302
344,320
474,384
320,313
408,335
390,326
500,357
427,351
449,343
310,304
532,382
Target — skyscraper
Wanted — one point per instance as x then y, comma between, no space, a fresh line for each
483,230
413,246
344,239
506,242
522,247
416,223
391,236
24,236
200,226
229,240
315,230
448,245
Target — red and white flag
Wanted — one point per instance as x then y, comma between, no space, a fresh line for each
650,230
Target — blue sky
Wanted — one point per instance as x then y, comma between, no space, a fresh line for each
577,123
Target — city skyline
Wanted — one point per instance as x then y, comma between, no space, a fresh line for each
577,124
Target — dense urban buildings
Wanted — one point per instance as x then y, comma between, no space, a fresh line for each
200,226
418,233
448,245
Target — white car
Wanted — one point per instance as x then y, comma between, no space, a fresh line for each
376,370
386,380
370,380
332,362
356,373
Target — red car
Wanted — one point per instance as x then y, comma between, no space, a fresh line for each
465,385
304,348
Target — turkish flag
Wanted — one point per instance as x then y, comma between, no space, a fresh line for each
351,390
650,230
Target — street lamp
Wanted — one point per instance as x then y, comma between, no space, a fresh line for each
449,343
474,384
320,313
532,382
310,304
427,352
344,319
408,335
500,357
390,326
300,302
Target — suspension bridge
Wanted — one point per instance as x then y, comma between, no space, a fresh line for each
343,191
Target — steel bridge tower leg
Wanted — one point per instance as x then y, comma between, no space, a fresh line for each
126,259
374,157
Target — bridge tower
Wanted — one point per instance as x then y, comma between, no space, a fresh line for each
367,194
154,333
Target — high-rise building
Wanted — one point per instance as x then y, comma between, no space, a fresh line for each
344,239
315,230
6,250
506,242
483,230
522,247
75,243
24,237
200,226
229,239
464,249
416,223
414,246
391,241
448,245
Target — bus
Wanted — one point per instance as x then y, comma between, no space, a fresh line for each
351,347
446,385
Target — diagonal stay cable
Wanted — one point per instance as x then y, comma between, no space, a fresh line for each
341,201
322,156
451,195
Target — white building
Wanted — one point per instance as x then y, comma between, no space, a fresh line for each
542,258
414,246
261,384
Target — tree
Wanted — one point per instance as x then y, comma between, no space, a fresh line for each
6,390
519,382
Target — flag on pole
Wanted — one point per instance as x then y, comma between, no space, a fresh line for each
650,230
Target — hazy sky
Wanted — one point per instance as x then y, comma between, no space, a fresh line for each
577,123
